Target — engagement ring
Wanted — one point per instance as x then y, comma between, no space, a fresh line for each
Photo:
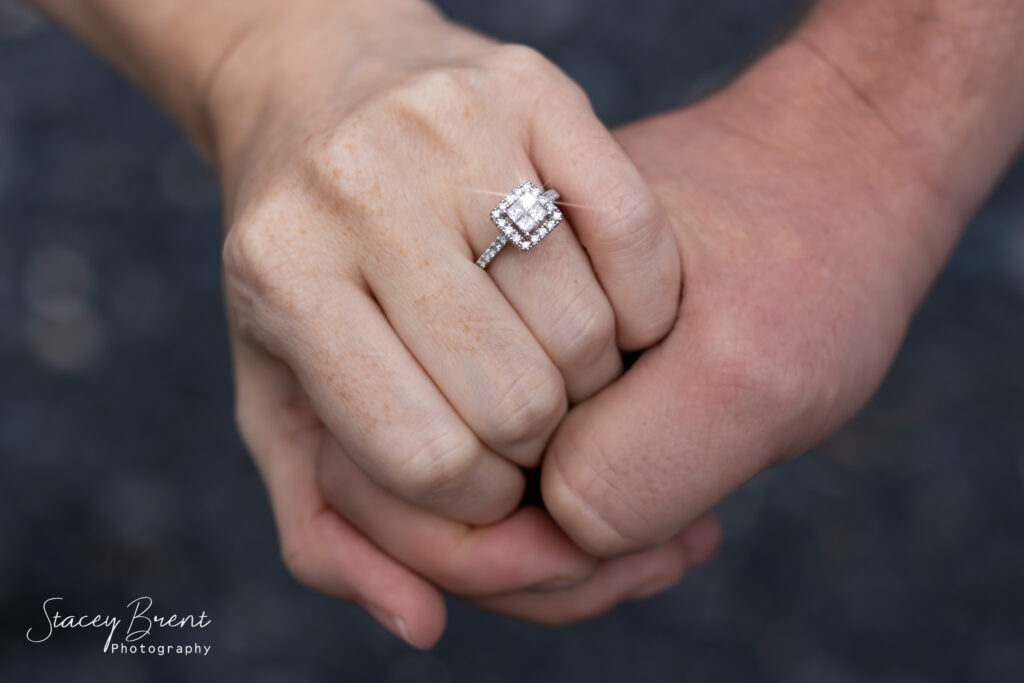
524,218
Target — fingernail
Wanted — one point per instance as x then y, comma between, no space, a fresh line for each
394,624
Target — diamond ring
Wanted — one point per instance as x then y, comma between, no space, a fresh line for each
524,218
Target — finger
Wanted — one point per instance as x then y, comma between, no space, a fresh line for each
524,550
554,290
375,398
686,425
632,577
470,340
617,218
320,548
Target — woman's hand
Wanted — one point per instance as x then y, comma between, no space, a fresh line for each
361,157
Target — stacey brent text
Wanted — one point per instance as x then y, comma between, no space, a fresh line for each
140,624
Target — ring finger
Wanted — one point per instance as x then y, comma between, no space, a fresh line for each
553,289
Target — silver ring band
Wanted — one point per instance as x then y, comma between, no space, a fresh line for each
485,258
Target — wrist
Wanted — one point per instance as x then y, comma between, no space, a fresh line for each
943,75
176,50
911,147
307,70
871,194
288,56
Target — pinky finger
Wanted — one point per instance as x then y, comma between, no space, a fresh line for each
329,555
320,548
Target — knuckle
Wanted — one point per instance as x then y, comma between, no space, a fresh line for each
441,466
270,265
427,102
533,72
444,81
249,282
522,58
410,106
427,112
343,178
255,253
242,250
531,404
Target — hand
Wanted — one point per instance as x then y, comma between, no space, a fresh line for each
359,174
800,230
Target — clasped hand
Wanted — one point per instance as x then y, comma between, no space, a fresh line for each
392,392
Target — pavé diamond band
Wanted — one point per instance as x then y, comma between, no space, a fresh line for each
524,218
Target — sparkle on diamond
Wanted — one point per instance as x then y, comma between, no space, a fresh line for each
527,212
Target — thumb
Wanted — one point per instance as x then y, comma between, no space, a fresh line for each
686,425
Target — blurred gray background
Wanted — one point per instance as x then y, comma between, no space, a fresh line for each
894,553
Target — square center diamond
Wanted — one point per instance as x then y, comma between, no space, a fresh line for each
527,212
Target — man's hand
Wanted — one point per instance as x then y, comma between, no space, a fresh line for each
814,202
